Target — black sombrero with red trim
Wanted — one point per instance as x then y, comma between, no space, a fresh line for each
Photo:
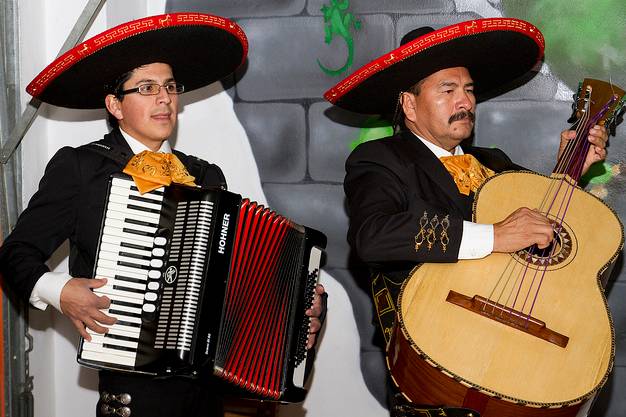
200,48
496,51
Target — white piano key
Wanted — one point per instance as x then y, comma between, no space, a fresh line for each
125,330
125,186
120,331
120,215
113,293
106,263
108,357
107,273
100,339
99,349
127,201
134,285
116,257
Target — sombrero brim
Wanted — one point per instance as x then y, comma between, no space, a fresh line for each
495,51
200,48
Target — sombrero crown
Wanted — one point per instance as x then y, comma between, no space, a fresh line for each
496,51
200,48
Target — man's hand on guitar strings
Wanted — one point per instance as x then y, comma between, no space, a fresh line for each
521,229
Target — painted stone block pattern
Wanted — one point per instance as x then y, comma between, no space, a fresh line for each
319,206
282,63
240,8
396,6
330,143
277,133
529,132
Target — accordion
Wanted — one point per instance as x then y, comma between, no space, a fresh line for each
201,279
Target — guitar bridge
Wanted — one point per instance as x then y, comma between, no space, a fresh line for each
508,316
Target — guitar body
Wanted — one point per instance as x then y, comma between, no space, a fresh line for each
443,353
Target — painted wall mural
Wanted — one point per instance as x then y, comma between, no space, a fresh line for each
300,48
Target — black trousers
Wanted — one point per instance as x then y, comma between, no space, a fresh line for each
154,397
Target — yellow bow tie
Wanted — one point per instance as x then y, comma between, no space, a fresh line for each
152,170
467,172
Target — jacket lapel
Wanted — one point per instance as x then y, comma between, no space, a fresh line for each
425,161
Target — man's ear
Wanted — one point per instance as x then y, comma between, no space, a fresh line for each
112,104
407,101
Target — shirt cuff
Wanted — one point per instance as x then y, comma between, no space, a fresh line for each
48,289
477,240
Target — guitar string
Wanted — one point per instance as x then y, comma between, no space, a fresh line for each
583,146
566,159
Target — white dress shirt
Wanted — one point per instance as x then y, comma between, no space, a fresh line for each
48,288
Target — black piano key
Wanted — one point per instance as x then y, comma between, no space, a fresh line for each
144,199
124,313
140,222
137,232
118,302
120,337
127,289
129,279
132,265
127,323
134,255
140,208
134,246
116,347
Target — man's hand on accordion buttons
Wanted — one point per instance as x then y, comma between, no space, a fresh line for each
317,312
82,306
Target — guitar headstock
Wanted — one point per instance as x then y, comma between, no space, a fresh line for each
599,101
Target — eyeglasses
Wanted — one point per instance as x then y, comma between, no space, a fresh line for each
152,89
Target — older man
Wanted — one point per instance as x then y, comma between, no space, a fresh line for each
410,196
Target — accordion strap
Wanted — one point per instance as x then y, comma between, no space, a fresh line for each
116,153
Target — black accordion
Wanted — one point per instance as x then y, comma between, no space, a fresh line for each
199,279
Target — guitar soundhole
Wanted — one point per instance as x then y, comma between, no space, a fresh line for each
559,253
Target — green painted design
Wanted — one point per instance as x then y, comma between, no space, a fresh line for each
600,174
584,38
338,21
373,128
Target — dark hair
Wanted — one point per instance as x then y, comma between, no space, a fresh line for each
115,88
398,115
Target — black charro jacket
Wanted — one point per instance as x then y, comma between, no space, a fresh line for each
393,183
69,204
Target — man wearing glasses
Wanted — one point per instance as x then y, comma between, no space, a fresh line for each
129,70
